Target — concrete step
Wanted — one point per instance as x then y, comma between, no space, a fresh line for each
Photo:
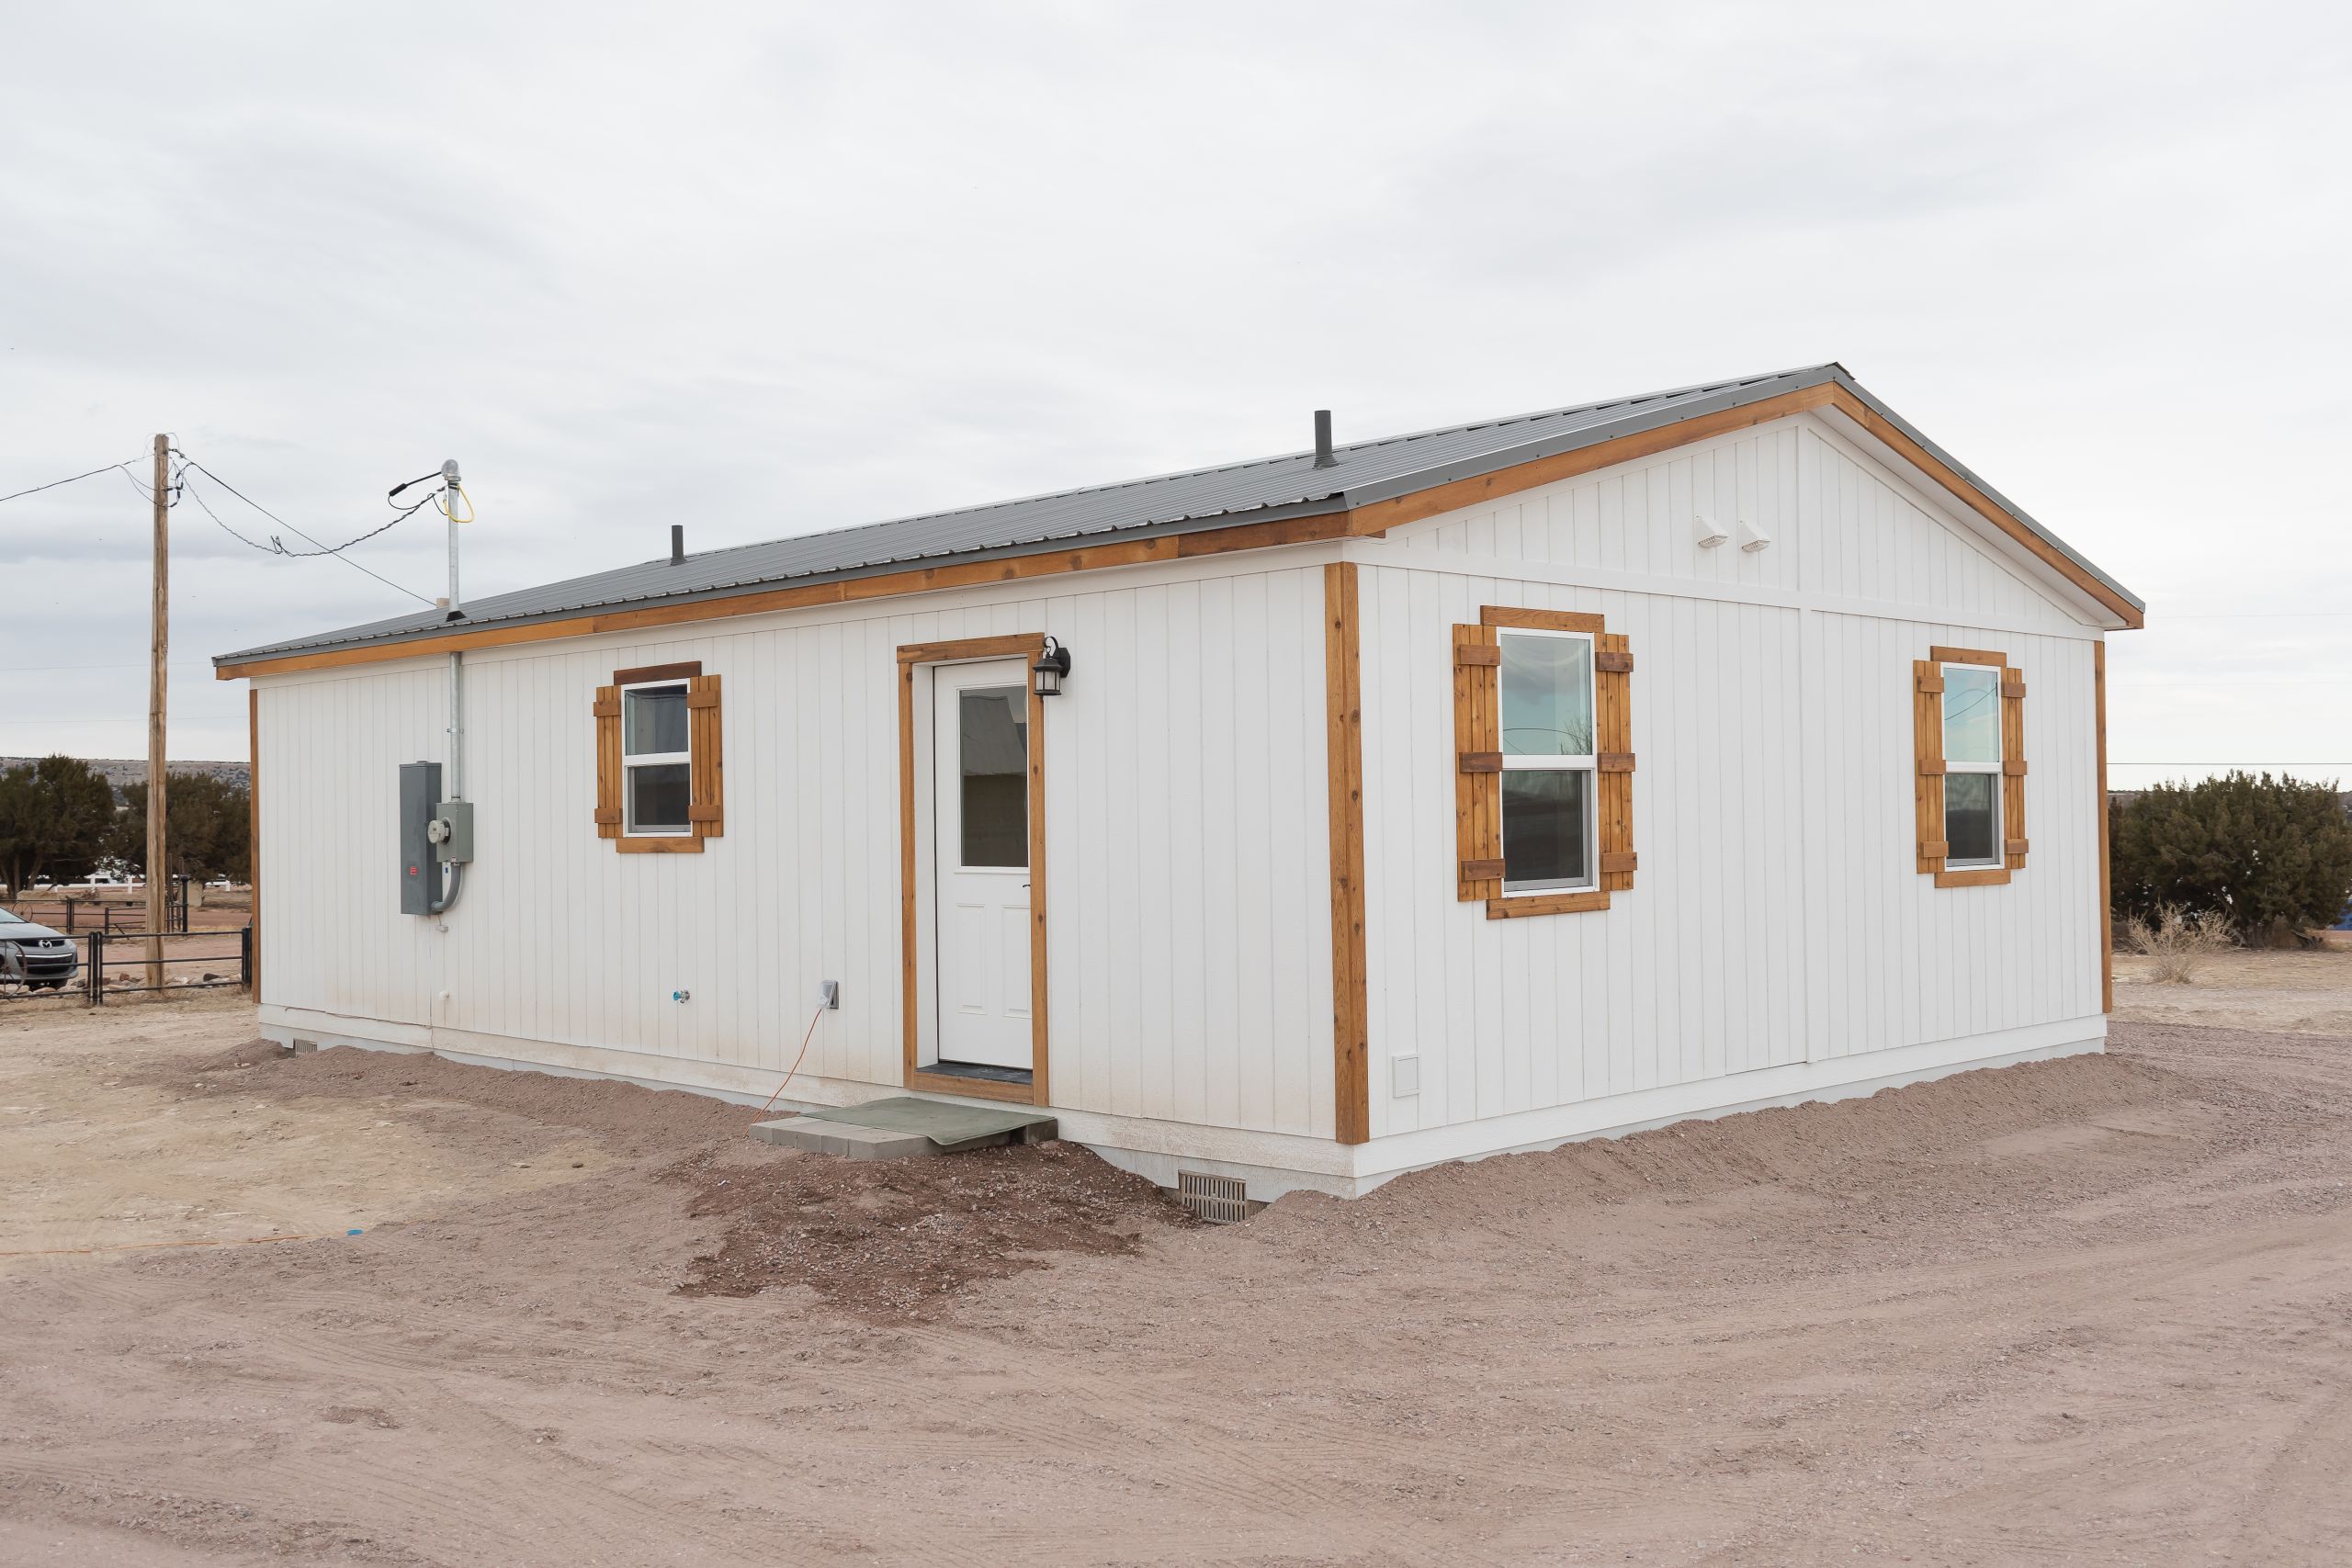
905,1127
844,1139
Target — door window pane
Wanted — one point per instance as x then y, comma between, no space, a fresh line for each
658,796
1970,828
654,721
995,730
1971,714
1544,832
1547,696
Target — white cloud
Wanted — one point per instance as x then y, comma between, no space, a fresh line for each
765,269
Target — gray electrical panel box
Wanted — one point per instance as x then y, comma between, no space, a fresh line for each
420,868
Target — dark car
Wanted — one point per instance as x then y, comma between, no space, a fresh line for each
35,955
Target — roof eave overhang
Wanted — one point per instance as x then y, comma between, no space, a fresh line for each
1365,509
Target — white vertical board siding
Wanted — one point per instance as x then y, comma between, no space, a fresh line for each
1187,853
1680,979
1841,522
1776,915
333,937
1908,961
1189,955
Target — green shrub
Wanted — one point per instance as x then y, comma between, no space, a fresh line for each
2268,855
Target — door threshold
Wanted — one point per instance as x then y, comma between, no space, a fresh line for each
981,1070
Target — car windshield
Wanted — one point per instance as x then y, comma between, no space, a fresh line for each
8,918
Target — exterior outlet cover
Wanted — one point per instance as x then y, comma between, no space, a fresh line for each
1404,1076
1707,531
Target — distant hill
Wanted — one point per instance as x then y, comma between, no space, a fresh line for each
128,774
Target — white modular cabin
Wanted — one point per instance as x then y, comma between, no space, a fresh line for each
1407,801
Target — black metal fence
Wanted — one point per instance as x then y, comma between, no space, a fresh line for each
220,960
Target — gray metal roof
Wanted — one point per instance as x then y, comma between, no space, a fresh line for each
1259,491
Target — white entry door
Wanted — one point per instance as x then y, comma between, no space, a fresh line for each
980,800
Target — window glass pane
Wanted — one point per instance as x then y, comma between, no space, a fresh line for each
1969,825
1545,835
658,796
654,720
1547,696
996,776
1971,714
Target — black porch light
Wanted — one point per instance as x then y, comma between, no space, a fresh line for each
1052,663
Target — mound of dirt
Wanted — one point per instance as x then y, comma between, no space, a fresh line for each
882,1241
902,1238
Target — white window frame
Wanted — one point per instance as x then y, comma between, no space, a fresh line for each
1995,767
630,762
1589,764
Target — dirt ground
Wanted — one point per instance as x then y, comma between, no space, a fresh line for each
2097,1311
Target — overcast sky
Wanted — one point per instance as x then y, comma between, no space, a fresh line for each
769,268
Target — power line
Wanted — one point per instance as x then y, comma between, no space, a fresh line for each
274,547
52,484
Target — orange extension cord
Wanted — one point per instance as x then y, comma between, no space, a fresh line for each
797,1060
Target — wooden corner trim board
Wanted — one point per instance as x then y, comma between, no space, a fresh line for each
1370,520
1343,729
1039,1090
2106,886
253,833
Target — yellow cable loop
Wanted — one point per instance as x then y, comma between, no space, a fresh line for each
444,506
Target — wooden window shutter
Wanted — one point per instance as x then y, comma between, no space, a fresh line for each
607,711
1928,761
2013,772
708,808
1477,788
1612,699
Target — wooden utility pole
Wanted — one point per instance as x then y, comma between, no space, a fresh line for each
159,644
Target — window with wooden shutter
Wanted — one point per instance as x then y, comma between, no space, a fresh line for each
660,760
1543,764
1969,772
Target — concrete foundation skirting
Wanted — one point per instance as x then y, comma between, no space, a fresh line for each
1271,1164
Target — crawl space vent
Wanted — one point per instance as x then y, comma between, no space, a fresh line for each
1220,1199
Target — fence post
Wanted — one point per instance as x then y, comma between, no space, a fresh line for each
245,958
97,969
69,917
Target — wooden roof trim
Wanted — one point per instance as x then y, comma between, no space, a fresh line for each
1372,519
1891,435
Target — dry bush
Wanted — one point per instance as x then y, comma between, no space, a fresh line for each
2179,941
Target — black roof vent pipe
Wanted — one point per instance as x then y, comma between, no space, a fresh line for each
1323,458
677,544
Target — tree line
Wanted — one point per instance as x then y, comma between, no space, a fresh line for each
2269,857
59,821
